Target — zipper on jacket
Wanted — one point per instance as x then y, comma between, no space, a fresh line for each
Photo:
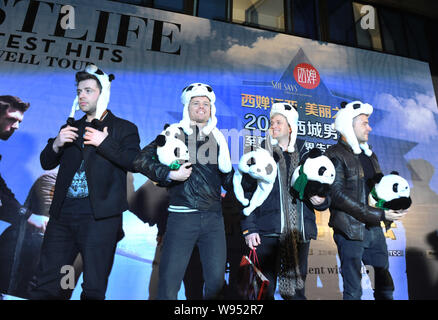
281,200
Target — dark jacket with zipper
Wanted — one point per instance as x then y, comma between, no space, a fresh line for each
350,213
105,166
202,190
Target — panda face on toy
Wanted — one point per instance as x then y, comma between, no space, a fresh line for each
172,131
390,192
171,149
314,176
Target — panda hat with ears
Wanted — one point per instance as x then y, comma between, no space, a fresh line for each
204,90
344,124
291,115
102,102
389,192
198,90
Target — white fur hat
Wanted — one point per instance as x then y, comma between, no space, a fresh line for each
102,102
204,90
344,124
198,90
291,115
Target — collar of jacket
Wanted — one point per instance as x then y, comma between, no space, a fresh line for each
198,132
198,135
100,124
97,124
347,146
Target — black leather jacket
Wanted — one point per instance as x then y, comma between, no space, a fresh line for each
201,191
349,209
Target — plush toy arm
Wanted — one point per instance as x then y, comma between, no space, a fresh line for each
238,190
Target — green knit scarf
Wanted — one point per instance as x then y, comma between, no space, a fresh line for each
300,183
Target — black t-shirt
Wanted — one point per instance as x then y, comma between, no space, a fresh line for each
77,198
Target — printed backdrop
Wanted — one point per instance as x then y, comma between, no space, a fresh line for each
154,54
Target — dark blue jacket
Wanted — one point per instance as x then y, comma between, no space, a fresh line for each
266,219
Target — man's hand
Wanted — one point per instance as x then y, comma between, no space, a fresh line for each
95,137
393,215
317,200
67,134
38,221
252,240
182,174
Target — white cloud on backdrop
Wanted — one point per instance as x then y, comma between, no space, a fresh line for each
410,118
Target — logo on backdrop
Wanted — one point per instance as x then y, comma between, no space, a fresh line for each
306,76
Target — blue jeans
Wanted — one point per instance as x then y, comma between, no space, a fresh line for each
183,232
372,251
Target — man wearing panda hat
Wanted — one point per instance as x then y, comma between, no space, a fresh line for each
357,231
94,154
281,228
195,211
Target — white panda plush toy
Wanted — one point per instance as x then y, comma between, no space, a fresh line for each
171,149
390,192
263,168
314,176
